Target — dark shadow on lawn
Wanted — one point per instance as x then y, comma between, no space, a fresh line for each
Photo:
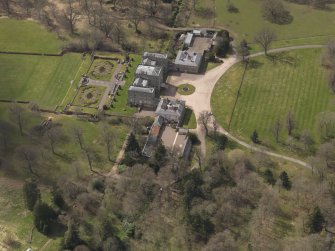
254,64
187,116
283,58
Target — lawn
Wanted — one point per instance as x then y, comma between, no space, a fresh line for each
44,80
270,90
246,23
27,36
120,102
190,121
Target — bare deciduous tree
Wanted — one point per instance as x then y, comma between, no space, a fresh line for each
276,130
27,154
105,22
27,5
55,135
307,139
135,13
5,129
108,137
6,4
17,114
265,37
90,154
327,152
78,136
290,123
198,156
204,119
70,15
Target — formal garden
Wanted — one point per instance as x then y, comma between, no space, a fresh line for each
102,69
89,96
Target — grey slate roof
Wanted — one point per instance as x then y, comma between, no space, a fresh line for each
187,58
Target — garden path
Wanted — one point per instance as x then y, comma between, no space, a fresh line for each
110,87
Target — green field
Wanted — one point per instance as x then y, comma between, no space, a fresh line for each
44,80
248,21
270,90
27,36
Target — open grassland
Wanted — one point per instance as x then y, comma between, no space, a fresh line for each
292,81
27,36
44,80
305,28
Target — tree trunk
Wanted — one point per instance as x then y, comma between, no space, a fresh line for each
89,160
52,147
19,121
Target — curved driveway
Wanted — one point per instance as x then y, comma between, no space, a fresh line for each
200,100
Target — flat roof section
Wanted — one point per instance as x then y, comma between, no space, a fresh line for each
148,70
187,58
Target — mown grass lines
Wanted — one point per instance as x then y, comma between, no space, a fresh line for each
292,81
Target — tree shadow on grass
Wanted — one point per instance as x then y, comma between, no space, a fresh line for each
283,58
254,64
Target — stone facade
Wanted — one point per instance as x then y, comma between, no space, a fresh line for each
157,59
154,75
188,62
142,96
172,110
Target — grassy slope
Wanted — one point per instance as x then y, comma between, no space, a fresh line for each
54,166
245,24
15,219
27,36
44,80
270,91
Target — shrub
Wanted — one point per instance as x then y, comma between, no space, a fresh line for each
220,141
222,43
57,198
99,185
316,221
44,217
274,12
232,8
